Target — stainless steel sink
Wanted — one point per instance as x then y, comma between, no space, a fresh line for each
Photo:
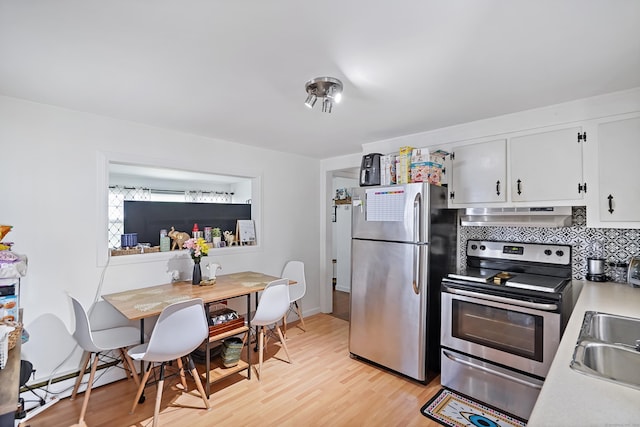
608,348
610,328
609,362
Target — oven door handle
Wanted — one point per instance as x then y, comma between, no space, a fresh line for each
534,305
490,371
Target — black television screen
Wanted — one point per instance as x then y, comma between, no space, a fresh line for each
148,218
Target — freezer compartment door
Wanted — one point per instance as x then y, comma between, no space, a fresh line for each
388,305
390,213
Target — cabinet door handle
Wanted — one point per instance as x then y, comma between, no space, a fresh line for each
610,197
519,187
582,187
498,188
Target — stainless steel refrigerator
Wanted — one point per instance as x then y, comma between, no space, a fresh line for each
403,241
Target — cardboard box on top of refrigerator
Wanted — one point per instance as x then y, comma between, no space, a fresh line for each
384,174
393,176
403,165
406,150
388,169
426,172
419,165
427,167
438,156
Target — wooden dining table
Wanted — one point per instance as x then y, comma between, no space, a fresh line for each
143,303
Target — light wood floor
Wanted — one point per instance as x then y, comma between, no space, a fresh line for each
323,387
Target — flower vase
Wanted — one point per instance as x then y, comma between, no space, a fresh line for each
197,273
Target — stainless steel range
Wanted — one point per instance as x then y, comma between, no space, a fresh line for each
502,320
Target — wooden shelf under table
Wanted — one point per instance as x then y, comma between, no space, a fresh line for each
227,334
219,372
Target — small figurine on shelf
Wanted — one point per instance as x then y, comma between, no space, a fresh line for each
178,237
230,238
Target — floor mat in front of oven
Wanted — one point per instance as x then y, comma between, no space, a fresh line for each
453,410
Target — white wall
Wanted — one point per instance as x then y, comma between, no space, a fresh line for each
49,194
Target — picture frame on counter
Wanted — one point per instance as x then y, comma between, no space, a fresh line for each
246,232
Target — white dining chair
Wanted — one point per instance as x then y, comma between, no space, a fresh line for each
180,329
294,270
102,338
273,305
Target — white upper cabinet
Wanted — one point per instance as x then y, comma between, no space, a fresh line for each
532,169
615,154
479,173
547,167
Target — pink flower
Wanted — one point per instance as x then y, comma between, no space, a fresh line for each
197,247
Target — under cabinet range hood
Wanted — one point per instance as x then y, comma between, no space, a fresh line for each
518,217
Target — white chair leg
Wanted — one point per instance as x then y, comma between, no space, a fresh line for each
87,393
143,382
84,362
284,344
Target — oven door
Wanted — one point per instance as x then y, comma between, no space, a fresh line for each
518,334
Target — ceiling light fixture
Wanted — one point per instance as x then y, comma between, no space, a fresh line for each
327,88
311,100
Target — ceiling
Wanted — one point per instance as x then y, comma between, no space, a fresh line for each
235,69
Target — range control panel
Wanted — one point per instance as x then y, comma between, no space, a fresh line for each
530,252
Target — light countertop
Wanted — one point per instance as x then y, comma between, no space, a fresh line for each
569,398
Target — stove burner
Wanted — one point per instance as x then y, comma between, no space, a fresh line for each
536,283
515,280
534,267
475,276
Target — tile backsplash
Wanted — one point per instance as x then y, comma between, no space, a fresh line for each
619,244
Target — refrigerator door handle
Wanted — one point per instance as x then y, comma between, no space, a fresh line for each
416,269
417,210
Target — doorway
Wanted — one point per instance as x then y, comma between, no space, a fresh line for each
342,183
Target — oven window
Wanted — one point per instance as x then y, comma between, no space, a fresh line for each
506,330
